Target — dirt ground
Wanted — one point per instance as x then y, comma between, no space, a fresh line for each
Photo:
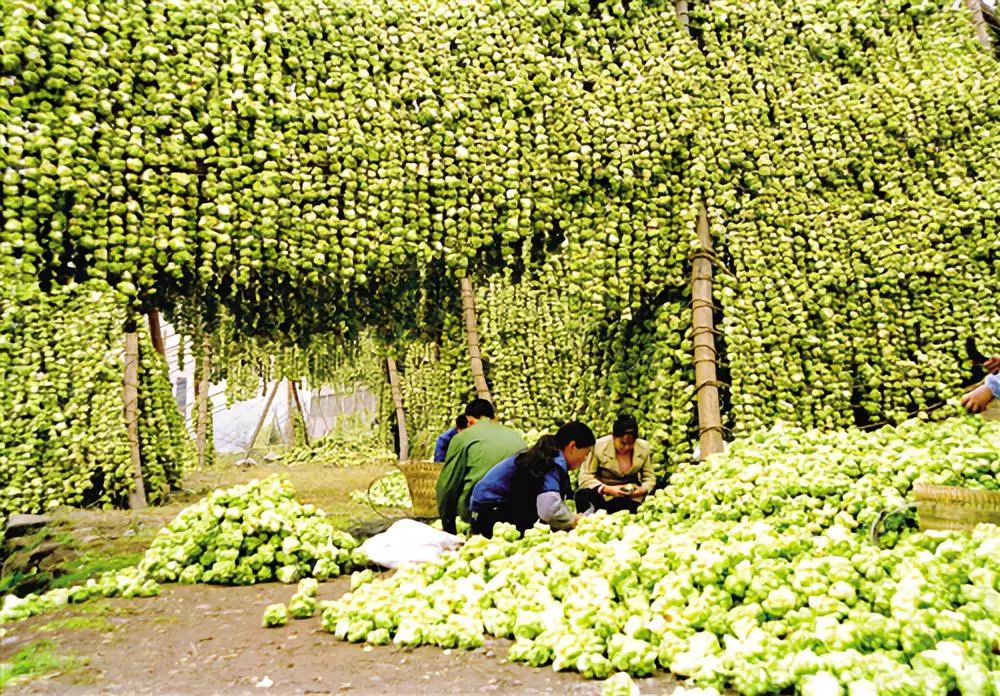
207,639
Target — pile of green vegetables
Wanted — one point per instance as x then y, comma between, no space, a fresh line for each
249,533
63,439
753,571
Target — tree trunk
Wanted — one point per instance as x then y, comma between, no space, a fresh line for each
979,22
709,417
137,498
472,336
202,379
397,399
156,333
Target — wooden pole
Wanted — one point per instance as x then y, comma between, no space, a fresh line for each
397,399
702,321
289,409
472,337
156,333
979,22
201,399
137,498
263,417
298,405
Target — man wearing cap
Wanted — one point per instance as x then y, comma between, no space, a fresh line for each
619,472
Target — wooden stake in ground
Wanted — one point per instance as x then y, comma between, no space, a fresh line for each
397,399
472,337
156,333
202,378
263,417
702,321
137,498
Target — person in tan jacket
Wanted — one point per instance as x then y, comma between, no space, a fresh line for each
619,472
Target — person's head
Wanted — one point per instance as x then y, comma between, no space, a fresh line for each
625,431
479,409
461,423
575,440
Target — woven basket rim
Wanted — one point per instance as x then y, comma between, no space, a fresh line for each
957,496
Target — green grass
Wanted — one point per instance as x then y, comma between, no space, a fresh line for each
89,565
78,623
34,660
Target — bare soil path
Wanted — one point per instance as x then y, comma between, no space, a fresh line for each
207,639
203,639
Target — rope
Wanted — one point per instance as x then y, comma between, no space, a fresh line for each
711,383
703,304
712,258
699,330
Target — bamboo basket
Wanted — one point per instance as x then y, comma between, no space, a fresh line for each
421,479
951,507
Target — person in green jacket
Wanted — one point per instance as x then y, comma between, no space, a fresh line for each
471,454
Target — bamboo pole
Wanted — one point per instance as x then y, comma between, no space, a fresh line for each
156,333
137,498
472,338
263,417
979,22
709,415
201,400
298,405
397,399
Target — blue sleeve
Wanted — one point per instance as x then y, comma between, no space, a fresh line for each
441,448
993,382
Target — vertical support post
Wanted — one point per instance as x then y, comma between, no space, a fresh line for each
709,416
290,410
263,417
397,400
156,333
137,498
201,399
298,405
979,22
472,337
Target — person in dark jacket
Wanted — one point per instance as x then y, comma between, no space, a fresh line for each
444,439
532,485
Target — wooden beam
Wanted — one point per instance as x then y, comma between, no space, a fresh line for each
702,321
472,338
137,498
298,405
156,333
260,421
397,399
201,401
979,22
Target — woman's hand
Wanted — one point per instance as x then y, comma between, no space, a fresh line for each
613,491
993,364
637,493
978,399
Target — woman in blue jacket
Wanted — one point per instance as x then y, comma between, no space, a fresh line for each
532,485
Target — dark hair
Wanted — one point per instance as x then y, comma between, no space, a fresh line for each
480,408
462,422
536,461
625,424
